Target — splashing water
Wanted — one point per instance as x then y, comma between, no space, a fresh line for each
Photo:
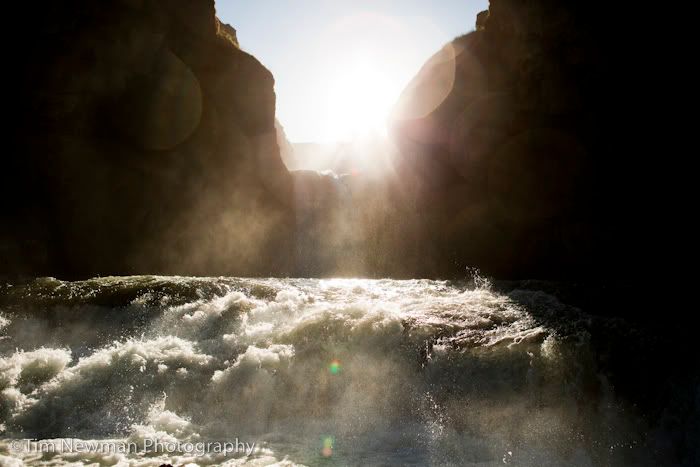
346,372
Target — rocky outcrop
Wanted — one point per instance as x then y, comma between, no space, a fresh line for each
146,143
520,141
286,148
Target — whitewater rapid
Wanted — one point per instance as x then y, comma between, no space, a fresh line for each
310,372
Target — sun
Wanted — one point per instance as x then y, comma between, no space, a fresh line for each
347,81
360,96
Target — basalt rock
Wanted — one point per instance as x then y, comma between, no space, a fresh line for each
145,143
520,141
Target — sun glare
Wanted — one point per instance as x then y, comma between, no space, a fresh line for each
360,97
357,69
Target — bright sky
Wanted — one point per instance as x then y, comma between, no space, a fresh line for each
339,65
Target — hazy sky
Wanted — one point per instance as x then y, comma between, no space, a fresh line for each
340,65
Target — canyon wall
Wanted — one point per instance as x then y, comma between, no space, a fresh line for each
145,142
529,144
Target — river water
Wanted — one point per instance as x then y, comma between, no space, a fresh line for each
306,372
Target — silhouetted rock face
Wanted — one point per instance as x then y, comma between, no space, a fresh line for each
520,141
146,142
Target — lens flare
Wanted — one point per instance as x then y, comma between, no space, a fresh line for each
334,367
327,449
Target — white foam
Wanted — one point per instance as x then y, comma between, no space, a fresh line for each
254,359
4,321
424,371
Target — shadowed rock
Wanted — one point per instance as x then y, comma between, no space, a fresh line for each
147,143
520,143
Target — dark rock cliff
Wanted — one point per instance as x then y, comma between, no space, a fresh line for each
529,144
145,142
